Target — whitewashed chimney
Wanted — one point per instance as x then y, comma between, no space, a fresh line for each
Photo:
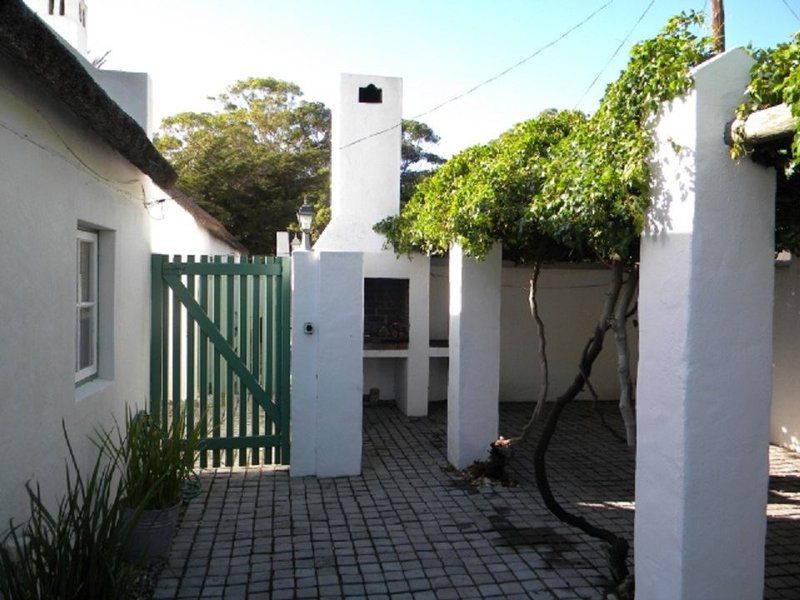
365,162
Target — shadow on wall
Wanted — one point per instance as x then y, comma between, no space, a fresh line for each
679,161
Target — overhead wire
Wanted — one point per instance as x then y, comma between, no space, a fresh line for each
791,10
495,77
616,51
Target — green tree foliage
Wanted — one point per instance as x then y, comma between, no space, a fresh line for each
251,163
481,194
417,161
559,180
254,161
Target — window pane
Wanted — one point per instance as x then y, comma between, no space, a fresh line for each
85,261
85,338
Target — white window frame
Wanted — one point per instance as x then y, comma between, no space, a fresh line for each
91,237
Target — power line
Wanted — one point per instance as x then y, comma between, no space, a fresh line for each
616,51
791,10
487,81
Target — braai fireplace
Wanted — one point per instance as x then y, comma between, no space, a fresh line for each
385,313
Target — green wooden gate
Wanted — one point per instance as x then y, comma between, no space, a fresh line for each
219,353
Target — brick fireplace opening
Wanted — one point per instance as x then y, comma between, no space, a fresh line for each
385,313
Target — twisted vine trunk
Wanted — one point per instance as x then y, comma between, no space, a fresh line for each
618,547
619,324
533,302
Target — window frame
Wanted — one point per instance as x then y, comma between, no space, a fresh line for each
90,371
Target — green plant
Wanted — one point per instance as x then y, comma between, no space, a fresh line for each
77,550
560,183
156,461
774,79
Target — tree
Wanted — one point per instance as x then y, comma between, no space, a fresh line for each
417,162
251,163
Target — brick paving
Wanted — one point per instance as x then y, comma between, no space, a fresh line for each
410,528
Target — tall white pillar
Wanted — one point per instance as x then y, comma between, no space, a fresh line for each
303,421
474,370
705,349
340,357
327,353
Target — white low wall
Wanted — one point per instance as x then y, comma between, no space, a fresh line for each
57,176
785,415
570,300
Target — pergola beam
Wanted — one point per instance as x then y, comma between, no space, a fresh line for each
762,127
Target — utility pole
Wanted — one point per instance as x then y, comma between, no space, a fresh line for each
718,25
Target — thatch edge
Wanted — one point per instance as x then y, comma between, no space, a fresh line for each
28,42
205,220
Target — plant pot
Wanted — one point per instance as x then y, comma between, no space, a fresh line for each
151,538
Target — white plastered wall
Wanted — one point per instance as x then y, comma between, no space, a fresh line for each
570,300
327,353
704,382
785,414
474,364
57,175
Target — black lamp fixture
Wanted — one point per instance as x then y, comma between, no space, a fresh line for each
305,216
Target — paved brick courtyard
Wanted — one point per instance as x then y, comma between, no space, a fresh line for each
408,527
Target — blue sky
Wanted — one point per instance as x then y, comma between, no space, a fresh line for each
195,48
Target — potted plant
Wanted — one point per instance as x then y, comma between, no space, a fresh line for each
157,464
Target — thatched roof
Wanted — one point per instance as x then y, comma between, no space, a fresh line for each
26,41
205,220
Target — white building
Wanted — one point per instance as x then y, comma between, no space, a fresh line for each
83,206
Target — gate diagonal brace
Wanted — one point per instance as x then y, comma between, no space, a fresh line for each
222,345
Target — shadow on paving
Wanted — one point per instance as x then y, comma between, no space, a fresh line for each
410,527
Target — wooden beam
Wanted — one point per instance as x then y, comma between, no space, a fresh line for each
718,26
762,127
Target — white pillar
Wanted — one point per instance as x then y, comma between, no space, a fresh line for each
327,352
705,350
340,359
303,421
474,370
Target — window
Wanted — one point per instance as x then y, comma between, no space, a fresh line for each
86,306
51,7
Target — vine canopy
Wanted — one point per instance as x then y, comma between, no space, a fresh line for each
562,183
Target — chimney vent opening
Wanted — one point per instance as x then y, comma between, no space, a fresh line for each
370,94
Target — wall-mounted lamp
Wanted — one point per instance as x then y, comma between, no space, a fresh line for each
305,216
152,203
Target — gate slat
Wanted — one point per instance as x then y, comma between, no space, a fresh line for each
166,296
229,399
190,357
203,384
156,333
217,383
255,361
269,352
243,355
284,358
177,323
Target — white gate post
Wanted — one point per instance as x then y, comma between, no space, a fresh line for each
705,349
474,369
326,365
